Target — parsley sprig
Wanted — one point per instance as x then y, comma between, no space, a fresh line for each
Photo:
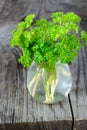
47,42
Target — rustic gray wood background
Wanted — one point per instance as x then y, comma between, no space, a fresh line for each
14,95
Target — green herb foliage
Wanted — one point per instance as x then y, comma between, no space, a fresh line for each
47,42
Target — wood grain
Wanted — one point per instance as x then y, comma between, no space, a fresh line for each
6,28
18,9
56,125
14,95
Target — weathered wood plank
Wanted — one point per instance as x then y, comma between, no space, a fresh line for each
56,125
63,125
18,9
79,94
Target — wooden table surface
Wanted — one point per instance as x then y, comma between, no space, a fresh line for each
16,104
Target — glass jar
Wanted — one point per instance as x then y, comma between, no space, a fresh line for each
49,86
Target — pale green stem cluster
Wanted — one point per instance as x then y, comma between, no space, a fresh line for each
35,81
49,81
50,86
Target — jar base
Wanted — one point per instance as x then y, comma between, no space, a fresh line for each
42,98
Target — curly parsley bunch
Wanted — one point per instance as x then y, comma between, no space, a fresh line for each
47,42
